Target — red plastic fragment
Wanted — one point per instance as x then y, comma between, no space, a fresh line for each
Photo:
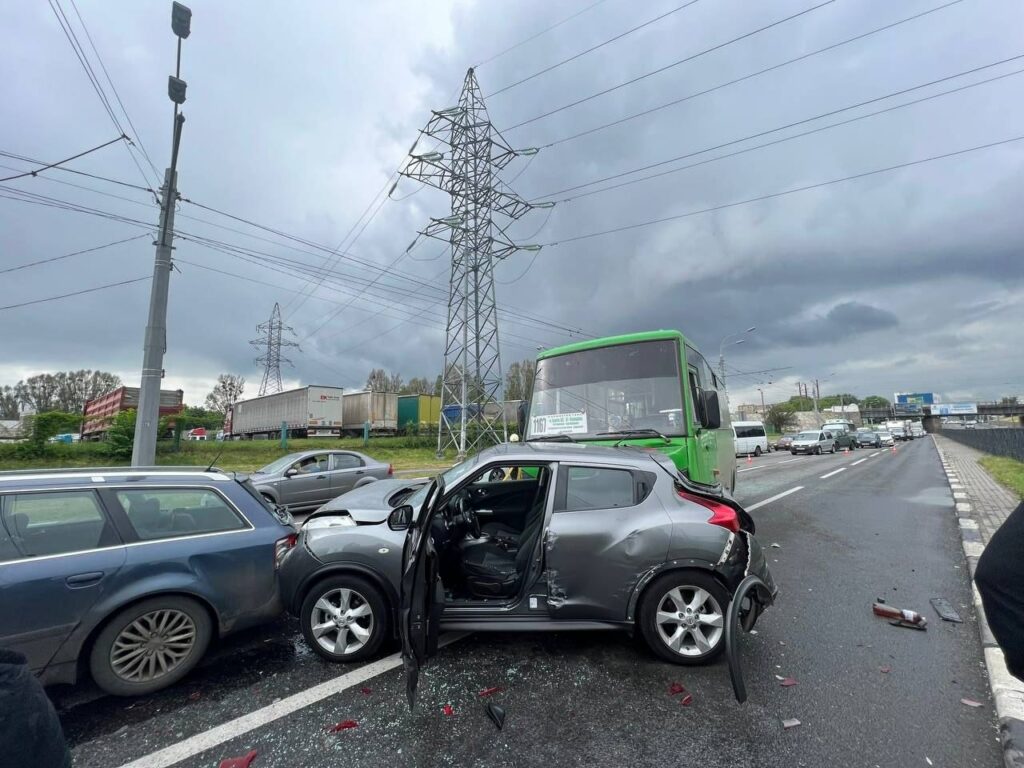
687,700
971,703
366,691
490,691
885,670
194,696
344,725
676,688
448,709
239,762
787,682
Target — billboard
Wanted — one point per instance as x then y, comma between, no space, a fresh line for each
914,398
907,409
955,409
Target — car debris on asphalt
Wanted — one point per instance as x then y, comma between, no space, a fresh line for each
945,610
788,682
676,688
790,723
885,670
496,714
344,725
971,703
448,710
490,691
902,616
244,761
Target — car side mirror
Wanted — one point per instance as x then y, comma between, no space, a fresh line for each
711,418
400,518
291,472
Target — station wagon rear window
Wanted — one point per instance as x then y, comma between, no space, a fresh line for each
52,523
166,513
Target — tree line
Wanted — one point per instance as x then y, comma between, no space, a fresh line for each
518,382
64,391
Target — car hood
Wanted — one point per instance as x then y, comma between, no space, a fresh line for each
368,503
805,442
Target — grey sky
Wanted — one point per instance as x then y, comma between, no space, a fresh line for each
909,280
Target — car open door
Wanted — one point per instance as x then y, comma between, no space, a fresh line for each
740,617
422,596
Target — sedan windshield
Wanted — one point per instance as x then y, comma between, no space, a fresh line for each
609,390
278,465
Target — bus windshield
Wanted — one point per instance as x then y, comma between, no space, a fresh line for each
609,389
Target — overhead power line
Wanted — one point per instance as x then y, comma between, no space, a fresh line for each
750,76
76,293
593,48
534,36
667,67
26,159
52,259
804,121
785,192
37,171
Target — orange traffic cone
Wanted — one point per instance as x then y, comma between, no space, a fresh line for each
894,449
750,459
846,451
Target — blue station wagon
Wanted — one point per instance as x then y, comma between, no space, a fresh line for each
129,573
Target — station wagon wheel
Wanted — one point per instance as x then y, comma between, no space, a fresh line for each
682,617
150,645
344,618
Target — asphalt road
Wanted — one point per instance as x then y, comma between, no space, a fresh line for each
865,525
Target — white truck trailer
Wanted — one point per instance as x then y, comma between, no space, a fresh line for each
311,411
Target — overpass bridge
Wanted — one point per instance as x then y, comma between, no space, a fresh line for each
931,423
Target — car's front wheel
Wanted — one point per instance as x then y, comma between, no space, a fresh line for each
682,617
344,618
150,645
817,450
757,450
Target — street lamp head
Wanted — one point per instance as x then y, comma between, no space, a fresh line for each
751,329
176,89
741,341
181,20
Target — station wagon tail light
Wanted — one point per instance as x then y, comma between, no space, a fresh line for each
282,547
721,514
391,469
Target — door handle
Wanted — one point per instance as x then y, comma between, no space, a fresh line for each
84,579
321,477
361,472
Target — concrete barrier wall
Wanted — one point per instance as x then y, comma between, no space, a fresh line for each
999,442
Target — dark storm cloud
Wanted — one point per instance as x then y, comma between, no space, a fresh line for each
296,120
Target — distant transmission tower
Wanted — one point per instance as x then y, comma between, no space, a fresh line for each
472,377
270,342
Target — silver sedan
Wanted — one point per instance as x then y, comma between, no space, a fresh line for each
304,481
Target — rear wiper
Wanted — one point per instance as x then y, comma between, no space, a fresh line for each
628,433
551,438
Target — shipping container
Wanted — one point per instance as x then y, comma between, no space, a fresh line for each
378,408
306,412
418,409
98,413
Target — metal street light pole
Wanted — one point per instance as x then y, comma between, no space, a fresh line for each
721,351
155,344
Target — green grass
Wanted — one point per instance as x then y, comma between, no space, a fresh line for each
1008,472
241,455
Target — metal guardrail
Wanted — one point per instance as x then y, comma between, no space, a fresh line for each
1007,442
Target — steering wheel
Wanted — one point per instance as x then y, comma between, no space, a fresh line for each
463,514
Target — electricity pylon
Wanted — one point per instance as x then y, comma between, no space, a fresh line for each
270,342
468,172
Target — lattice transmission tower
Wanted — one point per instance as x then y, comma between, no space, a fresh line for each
270,342
472,151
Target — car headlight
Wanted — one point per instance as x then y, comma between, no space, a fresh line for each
330,521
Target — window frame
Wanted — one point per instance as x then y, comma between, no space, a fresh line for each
638,477
110,537
359,465
127,530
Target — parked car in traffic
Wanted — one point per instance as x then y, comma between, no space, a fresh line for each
785,441
545,535
868,439
971,424
887,439
303,481
130,573
751,438
814,441
842,432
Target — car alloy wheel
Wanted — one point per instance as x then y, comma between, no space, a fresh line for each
344,617
153,645
342,621
682,618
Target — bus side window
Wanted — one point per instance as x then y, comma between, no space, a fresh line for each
695,399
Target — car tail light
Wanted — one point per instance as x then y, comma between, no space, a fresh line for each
721,514
282,547
391,469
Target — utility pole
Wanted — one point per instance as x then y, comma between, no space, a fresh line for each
762,401
721,352
817,394
155,345
468,171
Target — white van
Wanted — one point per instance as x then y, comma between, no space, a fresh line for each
750,438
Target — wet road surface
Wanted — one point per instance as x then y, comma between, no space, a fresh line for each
883,526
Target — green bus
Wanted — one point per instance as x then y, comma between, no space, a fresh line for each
651,389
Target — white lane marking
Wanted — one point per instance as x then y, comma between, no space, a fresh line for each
834,472
860,461
787,461
749,469
874,454
201,742
770,499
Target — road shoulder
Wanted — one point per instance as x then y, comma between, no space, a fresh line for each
981,505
